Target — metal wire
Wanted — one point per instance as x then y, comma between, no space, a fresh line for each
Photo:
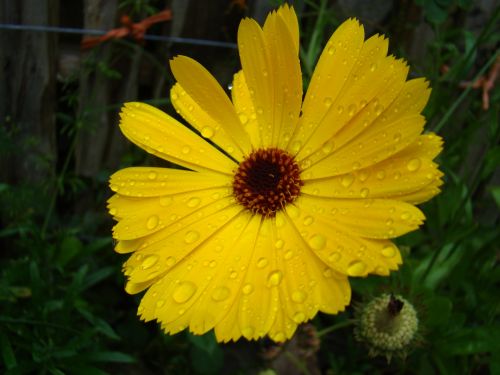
156,38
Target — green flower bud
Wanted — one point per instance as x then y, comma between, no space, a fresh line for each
388,325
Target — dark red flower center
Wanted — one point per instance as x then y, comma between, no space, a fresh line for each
266,181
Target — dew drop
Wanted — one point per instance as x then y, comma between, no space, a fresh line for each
373,67
293,211
207,132
184,292
152,175
170,261
334,257
389,222
331,50
274,278
288,255
186,150
260,111
327,102
340,109
149,261
414,164
308,220
364,192
379,109
279,243
389,251
405,215
356,268
380,175
299,317
327,147
347,180
191,236
317,242
160,303
327,273
262,262
356,166
397,137
247,289
112,211
152,222
352,110
193,202
233,275
243,118
279,337
363,176
299,296
221,293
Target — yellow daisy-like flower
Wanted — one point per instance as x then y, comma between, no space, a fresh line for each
283,199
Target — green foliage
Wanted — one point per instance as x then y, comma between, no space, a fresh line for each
61,289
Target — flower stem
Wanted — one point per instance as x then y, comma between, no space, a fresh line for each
345,323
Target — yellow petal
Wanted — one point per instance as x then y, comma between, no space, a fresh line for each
407,171
330,75
245,109
208,127
139,217
375,144
372,218
168,248
272,72
202,87
161,135
423,195
341,250
287,13
155,182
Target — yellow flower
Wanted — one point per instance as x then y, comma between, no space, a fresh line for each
282,199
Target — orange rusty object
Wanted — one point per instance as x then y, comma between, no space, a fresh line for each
134,30
486,83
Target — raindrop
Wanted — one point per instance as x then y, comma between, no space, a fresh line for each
347,180
356,268
356,166
247,289
185,150
262,262
221,293
207,132
152,222
288,255
184,292
379,109
152,175
334,257
363,175
233,275
327,102
165,201
274,278
389,251
364,192
327,147
331,50
389,222
160,303
308,220
414,164
112,211
243,118
352,109
327,273
279,243
170,261
405,215
191,236
299,317
299,296
373,67
193,202
380,175
397,137
317,242
279,337
340,109
149,261
247,332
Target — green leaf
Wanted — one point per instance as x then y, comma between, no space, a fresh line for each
206,355
110,356
69,248
8,355
438,311
495,192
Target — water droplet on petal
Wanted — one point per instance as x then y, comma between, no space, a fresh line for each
247,289
364,192
186,150
152,222
160,303
149,261
112,211
247,332
380,175
152,175
207,132
299,317
184,292
317,242
340,109
221,293
299,296
274,278
193,202
327,102
331,50
170,261
288,255
308,220
405,215
356,268
347,180
334,257
389,251
243,118
262,262
414,164
191,236
279,337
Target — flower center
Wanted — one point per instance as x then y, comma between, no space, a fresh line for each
266,181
